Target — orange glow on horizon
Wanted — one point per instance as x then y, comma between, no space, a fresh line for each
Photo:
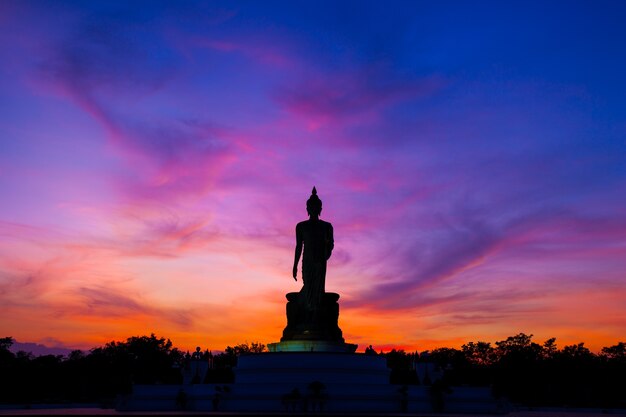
155,160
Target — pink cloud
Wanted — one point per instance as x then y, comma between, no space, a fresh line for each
448,201
357,96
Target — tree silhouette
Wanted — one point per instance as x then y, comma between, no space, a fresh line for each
223,364
245,348
401,365
617,352
517,368
139,360
6,356
6,343
479,353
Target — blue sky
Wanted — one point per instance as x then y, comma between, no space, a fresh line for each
155,157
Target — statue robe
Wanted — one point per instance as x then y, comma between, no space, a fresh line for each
317,238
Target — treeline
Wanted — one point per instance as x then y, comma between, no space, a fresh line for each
97,376
517,368
526,372
103,373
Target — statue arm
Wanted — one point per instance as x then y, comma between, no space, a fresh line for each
298,252
331,242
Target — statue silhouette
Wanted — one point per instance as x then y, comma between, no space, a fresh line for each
317,238
313,313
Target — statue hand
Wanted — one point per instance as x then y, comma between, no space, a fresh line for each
295,273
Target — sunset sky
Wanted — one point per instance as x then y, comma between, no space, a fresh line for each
155,158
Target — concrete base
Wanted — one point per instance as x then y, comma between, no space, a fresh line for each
285,381
340,399
307,367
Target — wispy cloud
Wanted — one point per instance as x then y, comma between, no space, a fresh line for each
358,96
156,159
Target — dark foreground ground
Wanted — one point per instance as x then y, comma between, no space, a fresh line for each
105,411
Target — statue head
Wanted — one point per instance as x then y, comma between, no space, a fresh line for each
314,204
